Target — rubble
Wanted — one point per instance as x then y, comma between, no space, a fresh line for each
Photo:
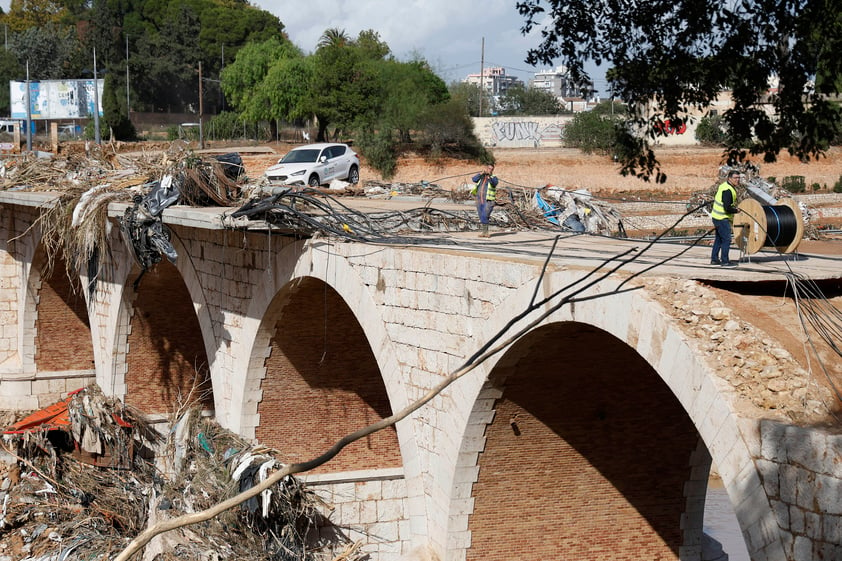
743,355
62,502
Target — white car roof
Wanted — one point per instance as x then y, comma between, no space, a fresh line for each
318,145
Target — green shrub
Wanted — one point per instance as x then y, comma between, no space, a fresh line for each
711,131
591,133
379,150
448,130
226,126
816,186
837,187
794,183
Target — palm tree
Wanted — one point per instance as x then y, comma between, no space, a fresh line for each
333,37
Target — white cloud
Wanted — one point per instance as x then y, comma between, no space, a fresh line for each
448,33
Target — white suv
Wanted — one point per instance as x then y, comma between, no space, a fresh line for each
315,164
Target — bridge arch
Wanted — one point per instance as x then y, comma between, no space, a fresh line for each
636,327
311,264
178,335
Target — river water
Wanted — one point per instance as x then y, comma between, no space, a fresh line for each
721,522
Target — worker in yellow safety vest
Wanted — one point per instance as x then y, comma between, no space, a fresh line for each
485,190
722,213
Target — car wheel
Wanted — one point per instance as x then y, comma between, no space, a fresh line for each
354,175
313,181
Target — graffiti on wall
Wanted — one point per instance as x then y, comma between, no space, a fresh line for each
665,127
525,133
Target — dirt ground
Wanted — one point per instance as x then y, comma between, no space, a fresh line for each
688,170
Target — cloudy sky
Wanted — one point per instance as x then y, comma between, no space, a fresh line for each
447,33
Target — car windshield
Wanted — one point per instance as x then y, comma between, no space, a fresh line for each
300,157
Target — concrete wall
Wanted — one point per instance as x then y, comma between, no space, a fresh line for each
548,132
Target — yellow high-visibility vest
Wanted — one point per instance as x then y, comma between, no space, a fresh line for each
718,210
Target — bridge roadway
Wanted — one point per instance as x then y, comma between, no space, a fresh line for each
588,435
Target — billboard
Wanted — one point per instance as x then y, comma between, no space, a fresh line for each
56,99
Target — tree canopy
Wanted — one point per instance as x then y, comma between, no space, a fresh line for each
532,101
778,58
161,41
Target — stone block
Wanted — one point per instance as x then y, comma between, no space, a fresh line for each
768,471
390,510
344,492
349,513
368,512
393,488
805,447
383,532
805,489
17,389
782,513
802,549
788,483
813,525
41,387
832,529
773,437
459,540
829,494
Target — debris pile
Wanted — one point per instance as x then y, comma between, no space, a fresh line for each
578,211
306,211
83,477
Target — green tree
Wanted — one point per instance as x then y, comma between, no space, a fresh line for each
24,14
269,81
469,95
411,88
166,41
448,129
529,101
10,70
345,87
711,131
114,110
592,132
169,65
611,107
676,55
50,51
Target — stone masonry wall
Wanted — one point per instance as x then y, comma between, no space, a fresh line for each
800,472
370,507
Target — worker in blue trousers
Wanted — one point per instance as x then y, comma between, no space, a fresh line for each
485,190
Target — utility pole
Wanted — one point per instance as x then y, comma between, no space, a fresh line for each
97,136
28,112
481,76
201,136
128,103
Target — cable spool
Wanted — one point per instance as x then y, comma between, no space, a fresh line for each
777,226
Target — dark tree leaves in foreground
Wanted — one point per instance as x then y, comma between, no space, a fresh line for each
667,57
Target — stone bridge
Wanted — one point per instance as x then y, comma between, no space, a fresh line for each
590,414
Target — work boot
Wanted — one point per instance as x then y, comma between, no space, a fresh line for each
483,233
